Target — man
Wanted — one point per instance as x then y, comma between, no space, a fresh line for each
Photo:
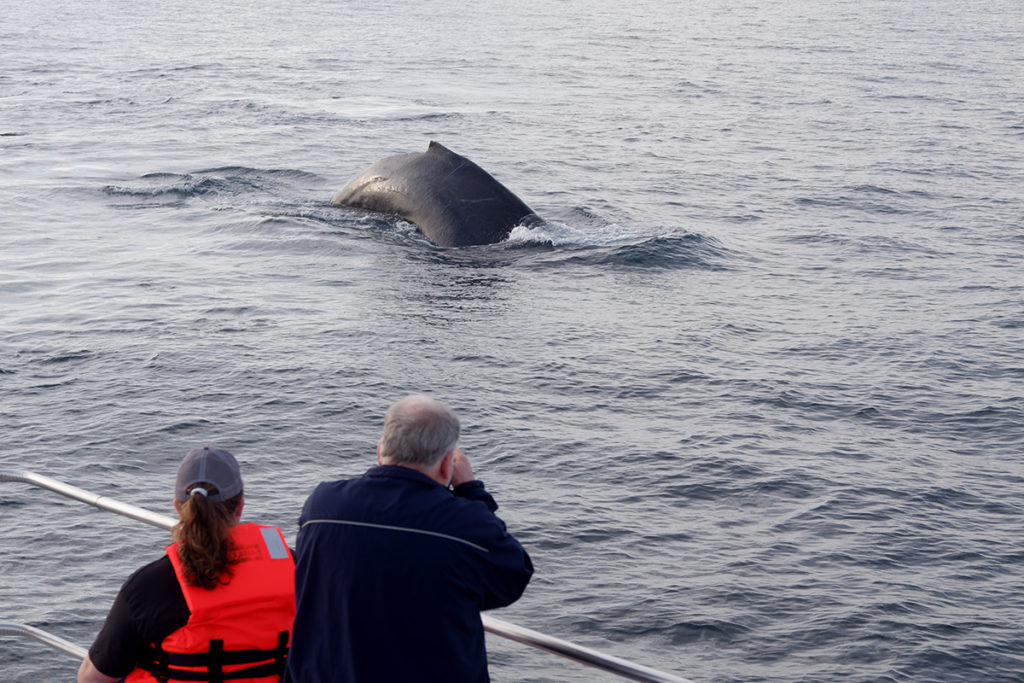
393,568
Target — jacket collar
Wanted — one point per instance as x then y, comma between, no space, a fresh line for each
399,472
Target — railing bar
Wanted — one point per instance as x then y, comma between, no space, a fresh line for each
498,627
102,502
583,655
56,642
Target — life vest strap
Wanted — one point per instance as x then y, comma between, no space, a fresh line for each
166,666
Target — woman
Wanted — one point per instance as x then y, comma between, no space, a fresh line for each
221,601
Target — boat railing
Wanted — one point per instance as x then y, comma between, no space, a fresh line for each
56,642
583,655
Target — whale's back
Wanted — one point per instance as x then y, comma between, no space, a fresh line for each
451,200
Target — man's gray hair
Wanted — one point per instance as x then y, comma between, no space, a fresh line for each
418,431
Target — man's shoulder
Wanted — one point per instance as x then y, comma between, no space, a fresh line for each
329,490
379,478
332,498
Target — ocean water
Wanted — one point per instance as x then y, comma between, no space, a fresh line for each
753,397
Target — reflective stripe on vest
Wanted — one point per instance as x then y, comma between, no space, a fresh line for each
238,631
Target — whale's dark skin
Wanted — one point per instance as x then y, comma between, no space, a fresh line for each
452,201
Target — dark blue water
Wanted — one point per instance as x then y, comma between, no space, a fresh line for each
753,397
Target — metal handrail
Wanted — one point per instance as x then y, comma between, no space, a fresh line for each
102,502
498,627
578,653
56,642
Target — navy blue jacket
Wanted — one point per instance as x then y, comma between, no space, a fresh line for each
392,570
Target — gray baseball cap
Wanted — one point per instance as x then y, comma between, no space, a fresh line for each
209,465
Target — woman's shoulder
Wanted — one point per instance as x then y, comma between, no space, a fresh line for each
153,590
155,575
155,599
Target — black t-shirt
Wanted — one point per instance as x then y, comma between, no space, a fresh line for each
149,607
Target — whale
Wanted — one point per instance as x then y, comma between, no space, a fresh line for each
450,199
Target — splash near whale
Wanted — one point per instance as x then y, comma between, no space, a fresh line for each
450,199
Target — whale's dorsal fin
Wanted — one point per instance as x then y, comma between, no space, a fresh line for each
437,148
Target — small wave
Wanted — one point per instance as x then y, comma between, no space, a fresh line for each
868,198
874,189
996,422
260,173
185,427
684,633
169,184
610,248
578,226
550,234
226,180
689,250
68,357
890,245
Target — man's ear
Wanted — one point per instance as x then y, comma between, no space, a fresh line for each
447,467
378,454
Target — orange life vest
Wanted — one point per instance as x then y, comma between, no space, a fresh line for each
238,631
